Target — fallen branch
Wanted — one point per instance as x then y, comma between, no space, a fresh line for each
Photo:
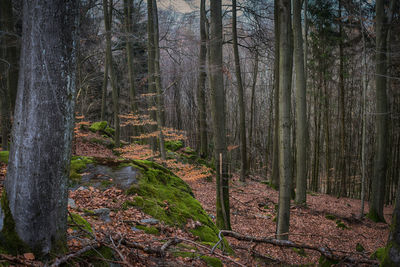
9,258
326,252
67,257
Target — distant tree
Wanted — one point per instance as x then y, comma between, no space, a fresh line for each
242,115
34,203
218,115
201,100
107,9
285,160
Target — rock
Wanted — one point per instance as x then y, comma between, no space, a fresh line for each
211,216
124,177
263,216
150,221
133,228
103,213
71,203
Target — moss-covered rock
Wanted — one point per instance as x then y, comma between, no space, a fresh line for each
173,145
148,229
166,197
10,243
4,156
98,126
78,223
109,131
78,164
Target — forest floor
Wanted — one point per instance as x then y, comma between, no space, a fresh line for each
327,221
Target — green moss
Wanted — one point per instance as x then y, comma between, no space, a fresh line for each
300,251
109,131
378,254
325,262
341,225
94,256
391,249
77,223
4,156
10,243
373,216
212,261
168,198
173,145
78,164
98,126
360,248
106,184
330,217
148,229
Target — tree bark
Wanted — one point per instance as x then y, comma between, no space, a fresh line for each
380,163
275,157
242,115
285,157
218,116
301,109
107,8
35,203
201,101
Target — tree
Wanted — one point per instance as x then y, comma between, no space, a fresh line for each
34,204
201,100
242,115
301,109
380,164
285,76
107,9
218,116
275,153
8,69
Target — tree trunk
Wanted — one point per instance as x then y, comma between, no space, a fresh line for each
218,116
242,115
128,7
107,8
275,156
157,79
104,91
34,205
252,107
301,109
380,163
285,157
201,99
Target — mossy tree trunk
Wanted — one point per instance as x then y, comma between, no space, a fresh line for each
107,9
201,99
242,115
301,109
285,154
218,115
37,174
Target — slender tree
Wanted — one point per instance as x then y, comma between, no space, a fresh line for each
242,115
218,115
285,157
201,99
107,9
34,204
301,109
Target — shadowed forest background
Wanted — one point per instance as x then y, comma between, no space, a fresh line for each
280,117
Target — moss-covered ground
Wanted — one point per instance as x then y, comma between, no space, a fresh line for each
4,156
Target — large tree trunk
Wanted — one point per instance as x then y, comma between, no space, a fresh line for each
285,157
157,79
218,115
301,109
242,116
128,7
107,8
252,109
275,152
201,99
380,164
35,203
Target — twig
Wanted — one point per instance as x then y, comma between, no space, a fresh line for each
171,242
64,259
326,252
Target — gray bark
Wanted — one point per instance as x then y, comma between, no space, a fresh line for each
218,116
285,157
37,175
301,109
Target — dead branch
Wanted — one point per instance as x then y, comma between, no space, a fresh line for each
67,257
326,252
